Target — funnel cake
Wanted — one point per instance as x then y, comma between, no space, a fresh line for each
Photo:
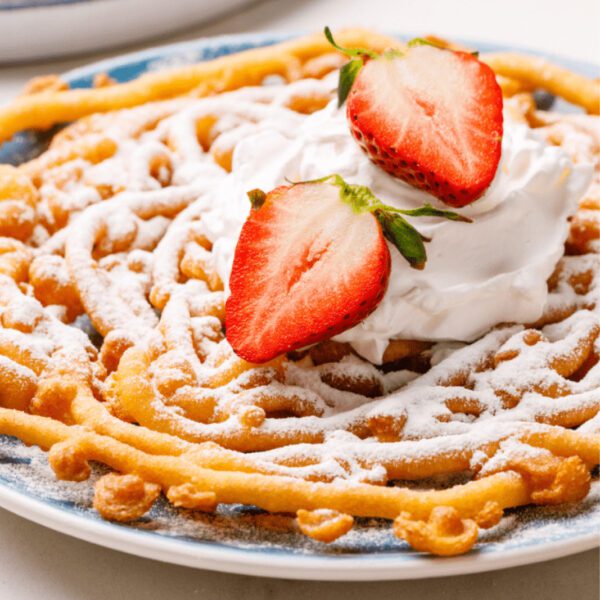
112,305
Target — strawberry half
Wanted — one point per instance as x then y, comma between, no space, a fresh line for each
429,116
311,261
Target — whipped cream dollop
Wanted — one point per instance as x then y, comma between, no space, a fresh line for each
477,275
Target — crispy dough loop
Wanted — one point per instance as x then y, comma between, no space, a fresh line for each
324,525
187,495
18,198
14,259
124,498
445,533
18,384
553,480
52,284
489,516
68,461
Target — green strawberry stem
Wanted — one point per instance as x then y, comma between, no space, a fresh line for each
423,42
362,198
257,198
430,211
395,227
419,41
352,52
351,69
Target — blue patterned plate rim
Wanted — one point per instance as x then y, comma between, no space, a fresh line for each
267,561
365,567
33,4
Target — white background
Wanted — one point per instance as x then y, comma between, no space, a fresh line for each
38,563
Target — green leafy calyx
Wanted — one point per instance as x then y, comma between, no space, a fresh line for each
404,236
418,41
348,74
352,52
351,69
395,227
257,198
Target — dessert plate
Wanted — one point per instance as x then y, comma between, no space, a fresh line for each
31,29
228,541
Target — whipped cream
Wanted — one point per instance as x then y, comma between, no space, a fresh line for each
478,275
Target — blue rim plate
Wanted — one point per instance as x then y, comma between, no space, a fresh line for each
24,4
229,541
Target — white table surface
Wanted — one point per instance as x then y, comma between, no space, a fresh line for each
39,563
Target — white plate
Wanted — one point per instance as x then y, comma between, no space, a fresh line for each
369,552
32,29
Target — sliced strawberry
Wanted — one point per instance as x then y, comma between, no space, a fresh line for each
306,267
311,261
429,116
